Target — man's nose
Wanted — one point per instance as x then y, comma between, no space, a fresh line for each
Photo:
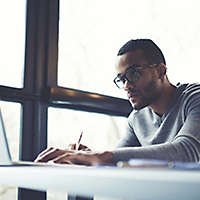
127,85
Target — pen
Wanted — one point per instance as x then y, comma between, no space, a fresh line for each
79,140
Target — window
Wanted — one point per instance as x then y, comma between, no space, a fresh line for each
92,31
89,62
40,91
11,116
100,131
12,40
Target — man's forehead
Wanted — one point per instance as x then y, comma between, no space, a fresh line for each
130,58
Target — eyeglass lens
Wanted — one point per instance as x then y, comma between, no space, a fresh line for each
131,75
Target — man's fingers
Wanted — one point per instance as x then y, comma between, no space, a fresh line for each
74,158
65,162
45,151
72,147
63,159
83,148
50,155
80,147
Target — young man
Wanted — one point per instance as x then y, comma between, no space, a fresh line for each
165,121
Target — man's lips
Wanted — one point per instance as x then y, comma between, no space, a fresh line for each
132,95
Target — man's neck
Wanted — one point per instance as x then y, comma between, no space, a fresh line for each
162,103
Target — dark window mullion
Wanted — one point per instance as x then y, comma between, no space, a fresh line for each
88,101
34,112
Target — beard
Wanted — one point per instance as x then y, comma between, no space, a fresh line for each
145,96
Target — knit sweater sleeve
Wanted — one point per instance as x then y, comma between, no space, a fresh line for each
185,147
129,139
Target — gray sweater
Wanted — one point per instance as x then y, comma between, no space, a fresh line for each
175,136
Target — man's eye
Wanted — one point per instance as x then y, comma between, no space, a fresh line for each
122,79
134,72
133,75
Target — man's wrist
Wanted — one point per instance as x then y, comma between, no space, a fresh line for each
106,157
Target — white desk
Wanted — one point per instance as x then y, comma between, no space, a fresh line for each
142,184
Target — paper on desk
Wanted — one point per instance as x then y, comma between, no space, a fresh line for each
148,163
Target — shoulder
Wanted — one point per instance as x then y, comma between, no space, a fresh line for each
189,95
189,89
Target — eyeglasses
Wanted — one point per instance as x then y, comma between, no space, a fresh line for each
132,74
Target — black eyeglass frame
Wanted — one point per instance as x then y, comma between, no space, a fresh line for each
137,69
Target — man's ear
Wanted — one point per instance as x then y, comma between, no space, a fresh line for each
162,70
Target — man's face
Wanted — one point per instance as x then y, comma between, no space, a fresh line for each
147,88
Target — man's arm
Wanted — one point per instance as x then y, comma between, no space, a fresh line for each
69,156
61,156
185,147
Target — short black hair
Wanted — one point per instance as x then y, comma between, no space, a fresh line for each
151,51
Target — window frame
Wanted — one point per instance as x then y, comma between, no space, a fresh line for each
41,90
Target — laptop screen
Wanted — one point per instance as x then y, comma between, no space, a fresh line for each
5,157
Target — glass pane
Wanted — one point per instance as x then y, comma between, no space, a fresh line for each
11,117
12,40
92,31
100,132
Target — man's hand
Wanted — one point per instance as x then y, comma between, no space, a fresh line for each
80,147
85,158
49,154
60,156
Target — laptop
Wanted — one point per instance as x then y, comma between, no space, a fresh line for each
5,156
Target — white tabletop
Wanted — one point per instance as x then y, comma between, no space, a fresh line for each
124,183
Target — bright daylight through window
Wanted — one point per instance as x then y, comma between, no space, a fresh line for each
12,40
92,31
12,49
